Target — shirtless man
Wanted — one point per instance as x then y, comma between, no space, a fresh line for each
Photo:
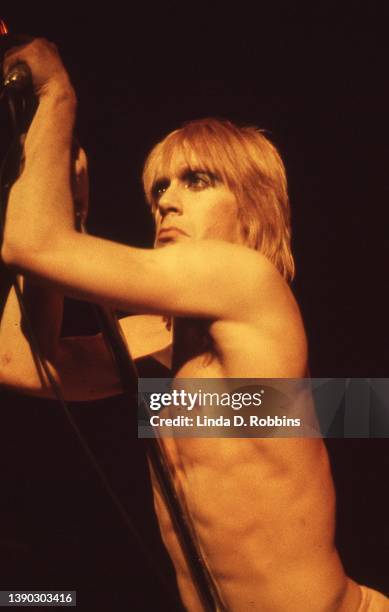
262,509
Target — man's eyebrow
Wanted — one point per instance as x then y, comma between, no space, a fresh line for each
164,181
189,170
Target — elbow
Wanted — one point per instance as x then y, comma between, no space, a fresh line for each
13,255
39,258
14,246
7,253
21,258
25,253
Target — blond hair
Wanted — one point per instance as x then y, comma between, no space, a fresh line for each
249,164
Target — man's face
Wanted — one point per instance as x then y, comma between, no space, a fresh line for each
192,204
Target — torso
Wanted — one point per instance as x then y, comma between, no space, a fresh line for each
262,509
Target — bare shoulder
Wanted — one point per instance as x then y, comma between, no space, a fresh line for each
266,337
240,280
258,288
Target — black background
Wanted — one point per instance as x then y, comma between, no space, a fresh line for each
317,82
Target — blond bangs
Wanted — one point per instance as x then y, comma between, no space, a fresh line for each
198,150
249,164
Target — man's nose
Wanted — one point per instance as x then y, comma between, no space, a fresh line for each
170,201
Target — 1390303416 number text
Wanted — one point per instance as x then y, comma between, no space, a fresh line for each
26,598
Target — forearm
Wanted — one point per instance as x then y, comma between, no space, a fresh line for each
40,201
17,362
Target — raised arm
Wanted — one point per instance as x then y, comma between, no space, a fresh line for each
81,365
211,279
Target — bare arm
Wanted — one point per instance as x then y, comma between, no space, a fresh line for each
75,362
82,365
207,279
210,279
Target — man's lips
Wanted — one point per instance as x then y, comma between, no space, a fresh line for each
170,232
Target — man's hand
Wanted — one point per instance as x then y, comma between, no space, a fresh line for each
47,70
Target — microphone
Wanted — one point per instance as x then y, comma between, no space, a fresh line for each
17,89
19,76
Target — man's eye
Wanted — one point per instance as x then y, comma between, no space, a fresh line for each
159,189
199,179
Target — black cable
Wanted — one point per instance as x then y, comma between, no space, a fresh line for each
46,375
